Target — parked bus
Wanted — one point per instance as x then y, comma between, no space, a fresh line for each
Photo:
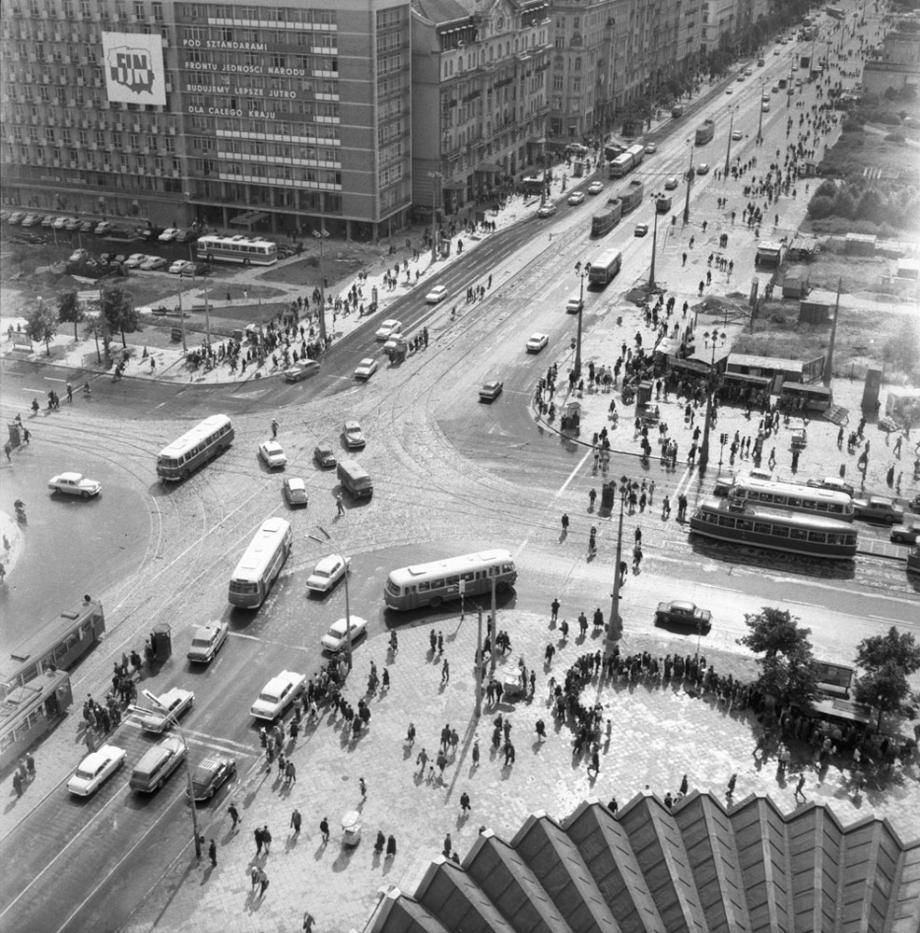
439,581
261,563
57,646
30,711
194,448
251,251
738,522
792,496
605,268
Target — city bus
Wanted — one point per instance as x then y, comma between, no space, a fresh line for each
261,564
605,268
439,581
251,251
794,497
57,646
195,448
738,522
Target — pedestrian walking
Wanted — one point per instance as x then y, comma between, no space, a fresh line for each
254,876
380,842
440,642
274,428
339,505
295,821
362,785
730,790
391,846
234,815
684,786
565,523
410,735
422,760
476,753
308,921
554,610
541,730
263,884
30,766
445,672
266,839
260,839
212,853
800,784
433,641
324,829
464,803
448,846
17,783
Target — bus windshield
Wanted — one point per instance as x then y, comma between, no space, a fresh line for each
260,564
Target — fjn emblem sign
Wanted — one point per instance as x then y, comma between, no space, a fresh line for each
133,64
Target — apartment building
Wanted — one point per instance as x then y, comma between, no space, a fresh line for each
479,76
720,20
244,115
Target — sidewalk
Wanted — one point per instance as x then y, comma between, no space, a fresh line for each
658,735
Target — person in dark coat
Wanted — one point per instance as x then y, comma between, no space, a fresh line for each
380,843
391,846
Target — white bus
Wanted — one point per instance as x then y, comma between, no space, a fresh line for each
797,498
251,251
196,447
606,267
261,564
439,581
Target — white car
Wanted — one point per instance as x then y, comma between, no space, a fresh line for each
547,209
573,305
737,135
294,490
336,639
134,260
207,640
174,702
152,263
536,342
387,329
95,769
327,573
366,368
272,454
354,436
180,266
278,694
438,293
75,484
168,235
596,187
671,183
576,197
651,149
103,227
60,223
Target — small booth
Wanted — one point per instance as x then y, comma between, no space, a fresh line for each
351,828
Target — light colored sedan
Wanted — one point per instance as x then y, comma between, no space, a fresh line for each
278,694
366,368
152,263
272,454
327,573
336,639
207,640
95,769
180,266
536,342
387,329
75,484
438,293
134,260
174,703
576,197
168,235
671,183
596,187
295,492
354,436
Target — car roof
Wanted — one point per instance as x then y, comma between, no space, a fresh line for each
71,476
295,482
271,445
328,560
96,758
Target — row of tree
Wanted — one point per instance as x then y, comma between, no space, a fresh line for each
789,674
899,206
116,315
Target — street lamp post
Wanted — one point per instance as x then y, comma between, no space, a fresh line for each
581,270
435,177
615,623
728,148
713,339
760,116
322,235
651,271
348,647
188,767
689,183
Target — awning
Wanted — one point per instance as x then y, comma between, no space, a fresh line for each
248,219
488,168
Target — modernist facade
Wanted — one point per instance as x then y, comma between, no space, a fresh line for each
479,96
251,114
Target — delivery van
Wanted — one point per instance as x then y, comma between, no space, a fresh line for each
355,479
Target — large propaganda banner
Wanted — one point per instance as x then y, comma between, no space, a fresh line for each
133,64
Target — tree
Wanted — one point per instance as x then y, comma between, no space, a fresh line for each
41,324
787,669
70,311
887,660
885,688
118,311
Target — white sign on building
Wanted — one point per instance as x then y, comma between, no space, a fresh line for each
133,64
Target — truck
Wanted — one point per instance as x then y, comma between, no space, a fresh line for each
704,133
769,253
605,220
681,612
632,196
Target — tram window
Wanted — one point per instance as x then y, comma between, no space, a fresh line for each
795,502
780,531
424,586
726,521
745,524
437,584
798,534
452,581
762,528
822,506
469,576
817,536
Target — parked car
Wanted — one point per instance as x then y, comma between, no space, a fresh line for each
95,769
366,368
272,454
16,217
73,223
878,509
74,484
536,342
88,226
151,263
31,220
173,704
179,266
353,435
294,490
186,236
323,456
489,391
168,235
327,572
211,774
48,220
576,197
680,612
103,227
278,694
336,639
387,329
134,260
438,293
547,209
651,149
78,255
596,187
207,640
301,370
905,534
60,223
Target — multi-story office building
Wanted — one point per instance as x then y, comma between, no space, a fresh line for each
245,114
479,74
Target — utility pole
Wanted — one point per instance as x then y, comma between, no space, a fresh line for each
689,183
829,360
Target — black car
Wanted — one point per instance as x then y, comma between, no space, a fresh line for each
211,774
323,456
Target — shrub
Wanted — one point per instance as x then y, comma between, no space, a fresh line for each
820,206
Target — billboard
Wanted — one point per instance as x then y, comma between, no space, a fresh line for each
133,64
